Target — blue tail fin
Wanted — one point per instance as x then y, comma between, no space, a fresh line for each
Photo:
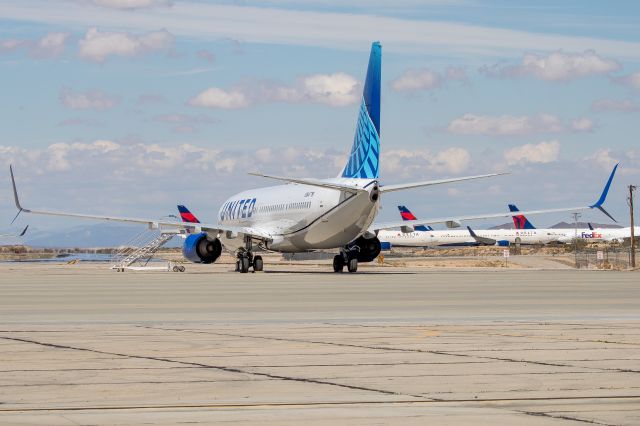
364,159
520,221
406,214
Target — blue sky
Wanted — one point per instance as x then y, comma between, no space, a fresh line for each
131,106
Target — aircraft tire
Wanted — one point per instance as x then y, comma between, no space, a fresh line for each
244,265
353,265
258,264
338,263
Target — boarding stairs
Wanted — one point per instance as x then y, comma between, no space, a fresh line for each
141,248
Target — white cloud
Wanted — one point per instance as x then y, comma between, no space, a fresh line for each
556,66
544,152
336,90
10,45
622,105
215,97
206,55
184,123
456,73
413,80
98,45
51,45
508,125
421,162
582,124
91,99
603,158
131,4
452,160
631,80
352,31
420,79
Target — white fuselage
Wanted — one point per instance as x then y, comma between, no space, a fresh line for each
600,234
460,237
301,217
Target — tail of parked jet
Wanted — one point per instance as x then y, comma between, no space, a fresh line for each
186,215
520,221
406,214
364,159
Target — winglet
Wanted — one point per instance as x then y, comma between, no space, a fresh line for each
481,240
24,231
603,196
15,194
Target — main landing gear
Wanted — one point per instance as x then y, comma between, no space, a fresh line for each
348,258
246,260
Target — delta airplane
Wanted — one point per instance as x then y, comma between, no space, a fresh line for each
304,214
422,237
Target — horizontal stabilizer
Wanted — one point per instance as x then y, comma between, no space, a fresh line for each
411,185
314,182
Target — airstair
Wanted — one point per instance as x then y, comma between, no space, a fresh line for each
138,252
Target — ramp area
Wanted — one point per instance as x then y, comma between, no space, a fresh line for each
86,346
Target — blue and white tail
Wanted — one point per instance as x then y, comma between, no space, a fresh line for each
520,221
406,214
364,159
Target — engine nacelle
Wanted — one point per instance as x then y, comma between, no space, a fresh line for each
199,249
368,248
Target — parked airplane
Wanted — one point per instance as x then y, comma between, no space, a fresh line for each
468,237
525,233
590,234
305,213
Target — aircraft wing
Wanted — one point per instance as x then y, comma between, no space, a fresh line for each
21,234
402,186
151,223
456,222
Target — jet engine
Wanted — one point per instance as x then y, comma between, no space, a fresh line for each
198,248
367,248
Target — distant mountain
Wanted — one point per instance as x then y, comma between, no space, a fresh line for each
88,236
509,225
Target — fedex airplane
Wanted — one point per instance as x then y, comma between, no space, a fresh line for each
591,234
304,214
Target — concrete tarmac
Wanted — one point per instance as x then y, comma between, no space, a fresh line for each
298,345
